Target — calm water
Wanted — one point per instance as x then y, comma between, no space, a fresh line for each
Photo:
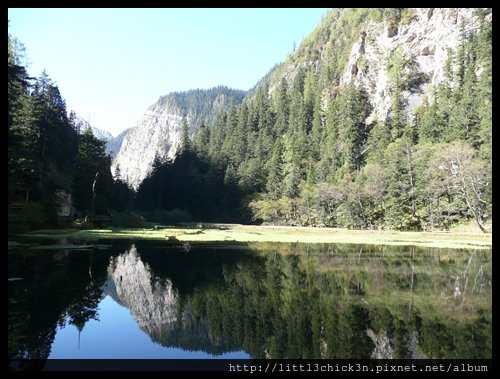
149,300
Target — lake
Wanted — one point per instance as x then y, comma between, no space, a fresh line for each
261,300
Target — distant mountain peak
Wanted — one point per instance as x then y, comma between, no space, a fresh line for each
101,134
114,144
158,133
82,125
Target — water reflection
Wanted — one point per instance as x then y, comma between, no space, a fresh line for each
152,301
156,306
268,300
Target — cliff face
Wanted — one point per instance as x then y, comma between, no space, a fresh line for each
158,133
425,38
114,144
82,125
349,45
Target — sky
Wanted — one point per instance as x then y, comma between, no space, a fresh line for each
111,64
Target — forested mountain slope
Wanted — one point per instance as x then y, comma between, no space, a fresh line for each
381,118
158,133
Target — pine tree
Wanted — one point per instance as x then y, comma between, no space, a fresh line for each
185,142
401,197
429,120
274,178
317,128
201,141
330,160
484,91
397,117
281,108
90,160
22,132
290,169
350,118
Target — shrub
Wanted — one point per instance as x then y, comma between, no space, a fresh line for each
127,219
174,216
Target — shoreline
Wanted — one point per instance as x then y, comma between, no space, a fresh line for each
253,233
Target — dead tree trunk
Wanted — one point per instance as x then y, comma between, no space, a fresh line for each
92,215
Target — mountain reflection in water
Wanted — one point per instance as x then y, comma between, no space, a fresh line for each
260,301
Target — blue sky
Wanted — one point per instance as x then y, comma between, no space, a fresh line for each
111,64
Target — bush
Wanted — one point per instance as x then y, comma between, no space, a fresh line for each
127,219
406,16
174,216
21,220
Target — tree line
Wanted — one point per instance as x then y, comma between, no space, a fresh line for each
47,154
283,157
297,151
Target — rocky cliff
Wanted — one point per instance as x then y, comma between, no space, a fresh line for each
425,38
349,45
82,125
113,145
360,42
158,133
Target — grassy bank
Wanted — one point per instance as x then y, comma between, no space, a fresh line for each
247,233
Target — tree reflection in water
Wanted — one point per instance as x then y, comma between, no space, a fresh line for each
271,300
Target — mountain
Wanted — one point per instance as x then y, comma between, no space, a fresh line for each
158,133
114,144
101,134
363,126
382,118
349,46
356,46
81,125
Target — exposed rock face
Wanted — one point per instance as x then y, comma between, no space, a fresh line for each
101,134
81,125
65,202
384,346
426,38
113,145
158,133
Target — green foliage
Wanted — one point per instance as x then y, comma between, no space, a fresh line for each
175,216
361,63
406,16
397,189
205,189
352,110
42,144
92,166
202,102
126,219
299,150
322,165
401,206
46,155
